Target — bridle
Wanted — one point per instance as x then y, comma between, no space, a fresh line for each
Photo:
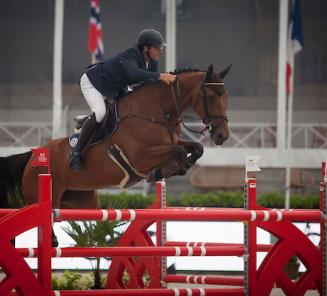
207,120
176,94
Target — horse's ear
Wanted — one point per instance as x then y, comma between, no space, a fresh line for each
209,73
223,73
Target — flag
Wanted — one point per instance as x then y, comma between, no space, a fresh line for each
95,32
295,41
41,157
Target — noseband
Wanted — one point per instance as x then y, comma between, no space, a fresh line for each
207,120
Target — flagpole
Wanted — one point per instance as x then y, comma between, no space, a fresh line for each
295,44
57,128
289,123
289,141
281,90
171,35
290,60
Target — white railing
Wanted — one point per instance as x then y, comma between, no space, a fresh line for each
309,141
264,135
24,134
242,135
310,135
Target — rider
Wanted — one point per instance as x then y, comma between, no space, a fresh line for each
108,78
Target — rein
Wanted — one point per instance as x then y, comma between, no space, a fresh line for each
208,117
179,114
131,114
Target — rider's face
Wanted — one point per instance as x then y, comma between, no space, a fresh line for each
155,52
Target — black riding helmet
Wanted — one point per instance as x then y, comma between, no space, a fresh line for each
150,37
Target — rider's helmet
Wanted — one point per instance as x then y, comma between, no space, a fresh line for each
150,37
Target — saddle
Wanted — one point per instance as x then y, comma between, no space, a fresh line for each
105,130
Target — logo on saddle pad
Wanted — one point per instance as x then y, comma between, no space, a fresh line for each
73,140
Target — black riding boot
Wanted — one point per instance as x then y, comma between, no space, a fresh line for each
75,157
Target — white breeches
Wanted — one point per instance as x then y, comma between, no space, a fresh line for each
94,98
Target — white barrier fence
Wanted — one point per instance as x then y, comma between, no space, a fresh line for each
309,142
264,135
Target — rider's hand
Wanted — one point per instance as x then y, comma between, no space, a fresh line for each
167,78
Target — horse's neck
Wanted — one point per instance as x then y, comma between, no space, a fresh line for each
163,99
189,83
148,101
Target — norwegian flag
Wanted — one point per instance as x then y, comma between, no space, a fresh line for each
95,32
294,43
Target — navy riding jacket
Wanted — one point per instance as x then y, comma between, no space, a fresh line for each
112,76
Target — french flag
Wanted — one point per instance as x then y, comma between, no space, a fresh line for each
295,41
95,32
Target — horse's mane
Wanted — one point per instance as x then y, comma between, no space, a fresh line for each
183,70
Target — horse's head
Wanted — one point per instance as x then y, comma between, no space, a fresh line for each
211,104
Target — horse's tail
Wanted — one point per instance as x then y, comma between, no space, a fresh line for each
11,174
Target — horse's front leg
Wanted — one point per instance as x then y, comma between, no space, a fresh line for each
162,161
195,150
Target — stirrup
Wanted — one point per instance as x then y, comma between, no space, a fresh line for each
76,161
73,153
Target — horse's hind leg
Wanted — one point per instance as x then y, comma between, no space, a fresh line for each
30,192
54,240
57,193
76,200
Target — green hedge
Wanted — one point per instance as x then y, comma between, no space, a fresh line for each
277,200
212,199
127,201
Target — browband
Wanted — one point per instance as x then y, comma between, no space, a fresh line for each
214,83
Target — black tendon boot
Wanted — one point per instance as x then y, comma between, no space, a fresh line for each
75,157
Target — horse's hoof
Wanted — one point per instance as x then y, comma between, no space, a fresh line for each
54,242
154,175
150,177
182,172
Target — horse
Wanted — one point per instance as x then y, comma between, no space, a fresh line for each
147,137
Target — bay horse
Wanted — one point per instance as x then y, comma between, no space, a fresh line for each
148,133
